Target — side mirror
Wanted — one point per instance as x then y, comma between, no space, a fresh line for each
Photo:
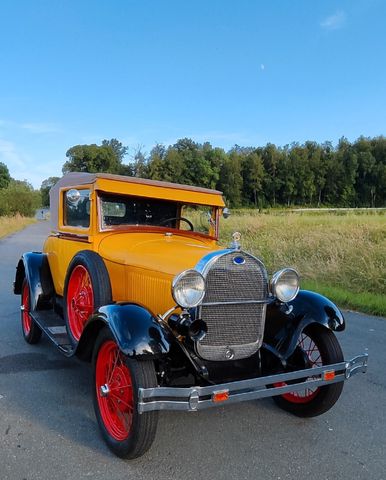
226,212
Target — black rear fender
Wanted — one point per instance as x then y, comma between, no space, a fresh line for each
138,334
35,268
285,323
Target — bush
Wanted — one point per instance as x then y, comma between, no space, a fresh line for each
19,198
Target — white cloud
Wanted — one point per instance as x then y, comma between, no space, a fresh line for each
33,127
10,156
262,66
41,127
335,21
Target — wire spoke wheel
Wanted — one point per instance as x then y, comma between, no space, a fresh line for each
26,321
114,391
87,287
31,331
80,300
317,346
314,359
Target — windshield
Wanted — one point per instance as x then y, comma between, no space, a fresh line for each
124,210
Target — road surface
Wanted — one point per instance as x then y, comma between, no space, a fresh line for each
48,429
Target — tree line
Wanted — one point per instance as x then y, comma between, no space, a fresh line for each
350,174
17,196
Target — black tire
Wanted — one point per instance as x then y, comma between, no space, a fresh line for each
96,269
31,331
139,437
324,397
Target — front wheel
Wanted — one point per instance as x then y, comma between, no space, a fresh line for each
115,391
317,346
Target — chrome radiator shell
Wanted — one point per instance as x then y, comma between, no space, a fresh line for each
234,305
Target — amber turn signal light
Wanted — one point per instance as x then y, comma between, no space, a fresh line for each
220,396
329,375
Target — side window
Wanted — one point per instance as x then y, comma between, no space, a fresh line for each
77,208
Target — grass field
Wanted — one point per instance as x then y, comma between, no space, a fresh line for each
341,255
10,225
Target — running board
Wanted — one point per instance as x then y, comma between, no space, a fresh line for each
54,326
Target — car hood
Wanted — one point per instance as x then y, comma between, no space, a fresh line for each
156,251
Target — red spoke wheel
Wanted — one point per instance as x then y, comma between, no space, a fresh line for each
80,300
87,288
116,381
314,359
114,391
318,346
31,331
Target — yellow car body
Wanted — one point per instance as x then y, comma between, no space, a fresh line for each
141,260
132,279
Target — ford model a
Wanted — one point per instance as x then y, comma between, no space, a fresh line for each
132,279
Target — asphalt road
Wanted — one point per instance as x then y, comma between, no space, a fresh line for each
48,429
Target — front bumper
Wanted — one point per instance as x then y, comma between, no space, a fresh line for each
197,398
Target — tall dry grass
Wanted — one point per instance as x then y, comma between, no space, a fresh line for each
348,251
12,224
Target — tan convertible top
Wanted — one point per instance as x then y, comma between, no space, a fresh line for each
134,186
82,178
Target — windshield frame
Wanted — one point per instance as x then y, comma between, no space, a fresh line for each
213,233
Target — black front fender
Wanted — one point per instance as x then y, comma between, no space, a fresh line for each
35,268
285,323
136,331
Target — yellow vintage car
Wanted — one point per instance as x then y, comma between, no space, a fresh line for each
133,279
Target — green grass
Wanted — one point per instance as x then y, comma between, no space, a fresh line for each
10,225
342,256
366,302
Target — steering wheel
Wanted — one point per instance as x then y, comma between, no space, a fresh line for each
179,218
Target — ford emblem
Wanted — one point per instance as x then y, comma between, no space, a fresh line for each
238,260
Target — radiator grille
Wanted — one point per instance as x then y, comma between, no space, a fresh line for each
236,327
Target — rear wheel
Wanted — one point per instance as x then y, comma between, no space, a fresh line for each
115,391
317,346
31,331
87,288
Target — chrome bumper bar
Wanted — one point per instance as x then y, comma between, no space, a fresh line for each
198,398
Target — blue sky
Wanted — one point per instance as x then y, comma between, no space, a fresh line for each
229,72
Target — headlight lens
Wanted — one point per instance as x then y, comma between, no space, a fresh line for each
285,284
188,288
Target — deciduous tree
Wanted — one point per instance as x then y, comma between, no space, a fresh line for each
5,177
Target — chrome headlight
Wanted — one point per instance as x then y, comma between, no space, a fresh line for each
188,288
285,284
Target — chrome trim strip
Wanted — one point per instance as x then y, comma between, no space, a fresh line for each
196,398
206,261
237,302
